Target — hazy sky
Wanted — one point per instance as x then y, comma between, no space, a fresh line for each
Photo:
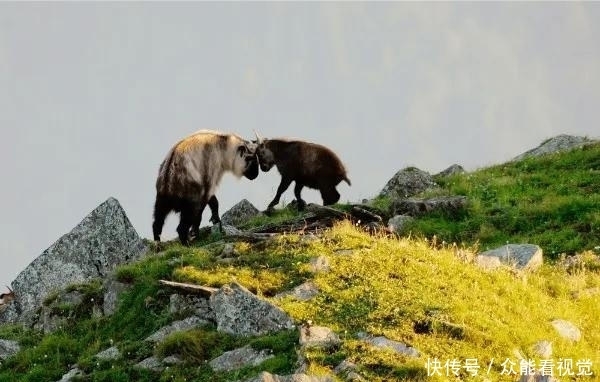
92,95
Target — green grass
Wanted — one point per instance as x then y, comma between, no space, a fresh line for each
552,201
418,290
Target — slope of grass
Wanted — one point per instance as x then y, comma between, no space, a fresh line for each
552,201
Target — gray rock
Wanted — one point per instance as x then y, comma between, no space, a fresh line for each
452,170
109,354
240,213
239,358
191,322
103,240
556,144
318,336
172,360
228,250
489,263
520,256
151,363
347,370
228,230
398,223
9,312
408,182
543,349
192,304
112,289
8,349
75,372
239,312
302,292
398,347
319,264
449,205
567,330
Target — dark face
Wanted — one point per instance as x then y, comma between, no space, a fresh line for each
265,157
251,171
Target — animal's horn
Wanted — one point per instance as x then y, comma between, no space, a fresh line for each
259,139
11,291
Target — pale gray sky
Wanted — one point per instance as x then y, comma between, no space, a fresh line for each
93,95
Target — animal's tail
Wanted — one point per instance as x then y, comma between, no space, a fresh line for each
347,180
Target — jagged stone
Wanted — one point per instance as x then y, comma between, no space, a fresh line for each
239,358
302,292
150,363
561,142
408,182
177,326
520,256
452,170
449,205
239,312
239,213
172,360
319,264
398,347
68,377
103,240
567,330
109,354
8,349
318,336
398,223
543,349
112,289
195,305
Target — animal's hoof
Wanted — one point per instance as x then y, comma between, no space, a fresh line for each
269,211
215,220
301,205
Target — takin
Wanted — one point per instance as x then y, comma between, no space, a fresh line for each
190,174
307,164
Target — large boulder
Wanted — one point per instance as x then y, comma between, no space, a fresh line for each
408,182
103,240
239,213
239,312
520,256
561,142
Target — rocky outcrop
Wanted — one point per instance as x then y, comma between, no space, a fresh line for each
452,170
239,358
408,182
8,349
240,213
520,256
239,312
448,205
556,144
103,240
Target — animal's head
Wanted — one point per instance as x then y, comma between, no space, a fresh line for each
246,155
266,159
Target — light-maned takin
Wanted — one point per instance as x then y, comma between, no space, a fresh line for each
190,174
307,164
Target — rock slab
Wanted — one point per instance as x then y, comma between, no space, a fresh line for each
521,256
103,240
239,358
238,311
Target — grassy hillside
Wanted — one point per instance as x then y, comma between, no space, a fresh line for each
552,201
426,294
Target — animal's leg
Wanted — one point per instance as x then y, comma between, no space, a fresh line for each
329,195
196,219
188,218
162,207
297,190
213,203
285,183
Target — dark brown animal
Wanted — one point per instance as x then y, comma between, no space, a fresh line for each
190,174
5,298
307,164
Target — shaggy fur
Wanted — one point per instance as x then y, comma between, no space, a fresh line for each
190,174
306,164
